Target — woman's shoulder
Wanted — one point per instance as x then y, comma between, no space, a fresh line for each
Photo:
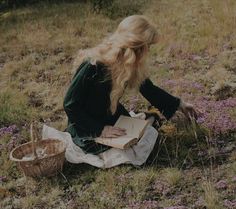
86,68
89,65
92,70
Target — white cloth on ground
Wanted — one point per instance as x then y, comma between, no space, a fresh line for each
136,155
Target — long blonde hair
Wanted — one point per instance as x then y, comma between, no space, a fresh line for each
124,54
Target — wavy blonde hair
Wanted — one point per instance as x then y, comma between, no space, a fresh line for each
124,54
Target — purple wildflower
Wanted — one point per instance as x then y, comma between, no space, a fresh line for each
200,202
176,207
161,187
222,184
216,114
230,204
12,136
187,85
8,130
146,204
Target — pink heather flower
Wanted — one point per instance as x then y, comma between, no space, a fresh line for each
234,178
222,184
146,204
176,207
8,130
14,140
184,84
200,202
161,187
230,204
216,114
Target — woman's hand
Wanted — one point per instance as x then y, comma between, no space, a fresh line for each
188,110
112,132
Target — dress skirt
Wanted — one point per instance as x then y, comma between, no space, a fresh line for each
135,155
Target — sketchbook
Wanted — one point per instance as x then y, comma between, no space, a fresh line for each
134,131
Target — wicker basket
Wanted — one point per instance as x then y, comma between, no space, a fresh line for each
37,166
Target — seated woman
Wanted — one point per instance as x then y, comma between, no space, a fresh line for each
102,75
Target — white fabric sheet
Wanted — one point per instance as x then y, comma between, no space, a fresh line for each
136,155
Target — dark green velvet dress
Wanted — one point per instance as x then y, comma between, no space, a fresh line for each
87,105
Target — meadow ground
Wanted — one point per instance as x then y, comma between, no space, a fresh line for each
194,165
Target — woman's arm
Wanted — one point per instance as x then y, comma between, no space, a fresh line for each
165,102
74,100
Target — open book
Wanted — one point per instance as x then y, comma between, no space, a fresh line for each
134,130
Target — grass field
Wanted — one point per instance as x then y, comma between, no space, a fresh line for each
194,165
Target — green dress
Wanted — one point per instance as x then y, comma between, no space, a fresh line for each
87,104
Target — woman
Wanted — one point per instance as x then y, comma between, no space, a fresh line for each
103,73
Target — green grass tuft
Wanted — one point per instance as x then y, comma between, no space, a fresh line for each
14,108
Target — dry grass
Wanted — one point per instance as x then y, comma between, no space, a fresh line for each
172,176
195,27
40,51
14,108
211,196
37,46
197,43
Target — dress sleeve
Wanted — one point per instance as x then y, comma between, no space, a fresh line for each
74,99
165,102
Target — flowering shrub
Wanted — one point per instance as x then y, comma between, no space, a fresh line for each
230,204
161,187
186,85
216,115
176,207
222,184
9,136
146,204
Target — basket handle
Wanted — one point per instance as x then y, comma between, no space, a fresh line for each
33,141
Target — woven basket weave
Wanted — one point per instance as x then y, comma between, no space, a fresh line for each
49,165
